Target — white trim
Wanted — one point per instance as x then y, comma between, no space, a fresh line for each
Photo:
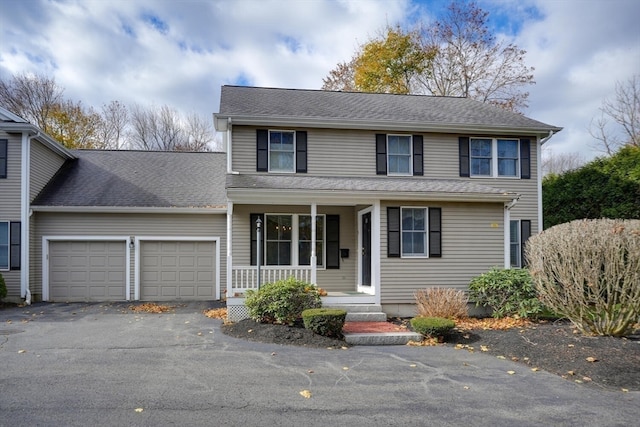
539,183
131,209
507,237
229,249
376,252
139,239
25,184
313,259
45,258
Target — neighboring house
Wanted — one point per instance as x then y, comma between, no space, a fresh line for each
369,196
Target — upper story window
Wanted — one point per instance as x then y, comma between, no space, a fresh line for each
281,151
495,157
399,155
3,158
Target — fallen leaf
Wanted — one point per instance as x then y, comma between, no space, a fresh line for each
515,359
571,345
591,359
525,358
249,331
501,357
306,394
586,379
310,371
571,373
625,390
578,381
484,348
413,365
511,372
186,322
22,351
466,387
345,368
139,410
535,369
344,347
274,353
459,346
199,334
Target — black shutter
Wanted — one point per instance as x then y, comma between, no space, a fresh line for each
333,241
14,234
418,158
254,237
525,159
463,143
381,154
262,150
435,232
301,152
525,233
393,232
3,158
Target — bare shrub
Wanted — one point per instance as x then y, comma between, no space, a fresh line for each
589,271
441,302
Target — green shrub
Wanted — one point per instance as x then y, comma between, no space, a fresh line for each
325,321
3,288
507,292
432,326
589,272
282,302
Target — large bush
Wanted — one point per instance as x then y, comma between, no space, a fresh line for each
507,292
282,301
589,271
3,288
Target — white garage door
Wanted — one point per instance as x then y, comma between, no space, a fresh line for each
86,271
171,270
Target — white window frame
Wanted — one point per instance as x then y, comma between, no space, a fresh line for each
494,172
295,240
269,151
517,263
426,233
410,155
8,245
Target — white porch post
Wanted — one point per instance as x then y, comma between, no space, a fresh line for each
507,236
229,249
314,212
375,251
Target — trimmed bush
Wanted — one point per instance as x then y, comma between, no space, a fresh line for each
3,288
282,302
441,302
325,321
432,326
589,272
507,292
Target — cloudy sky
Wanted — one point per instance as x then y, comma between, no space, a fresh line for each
179,52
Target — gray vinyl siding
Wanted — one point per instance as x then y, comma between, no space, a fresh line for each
10,186
472,243
333,280
10,201
86,224
44,165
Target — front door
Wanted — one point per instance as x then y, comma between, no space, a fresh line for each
365,261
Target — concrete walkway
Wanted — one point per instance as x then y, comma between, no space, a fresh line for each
102,364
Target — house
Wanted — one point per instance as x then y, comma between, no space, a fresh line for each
369,196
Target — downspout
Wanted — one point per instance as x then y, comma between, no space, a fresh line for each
507,232
25,216
539,176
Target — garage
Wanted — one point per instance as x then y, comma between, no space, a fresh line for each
172,270
87,270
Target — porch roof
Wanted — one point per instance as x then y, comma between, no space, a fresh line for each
275,188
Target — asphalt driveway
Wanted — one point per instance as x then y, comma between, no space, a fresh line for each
103,364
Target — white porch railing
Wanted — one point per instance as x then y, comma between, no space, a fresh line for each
245,278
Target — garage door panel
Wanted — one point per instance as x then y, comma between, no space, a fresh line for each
177,270
87,270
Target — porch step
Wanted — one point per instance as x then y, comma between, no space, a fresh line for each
355,316
358,308
382,338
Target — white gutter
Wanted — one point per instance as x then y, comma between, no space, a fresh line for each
130,209
25,196
507,232
539,176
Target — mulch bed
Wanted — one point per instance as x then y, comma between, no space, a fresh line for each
556,347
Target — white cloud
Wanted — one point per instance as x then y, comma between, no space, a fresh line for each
180,53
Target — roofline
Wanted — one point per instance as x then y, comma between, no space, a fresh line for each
33,130
261,120
14,117
267,196
130,209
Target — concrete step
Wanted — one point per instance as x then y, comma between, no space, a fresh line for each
382,338
358,308
361,316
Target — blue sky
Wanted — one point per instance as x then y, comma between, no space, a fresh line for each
180,52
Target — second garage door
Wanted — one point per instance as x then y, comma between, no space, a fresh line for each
171,270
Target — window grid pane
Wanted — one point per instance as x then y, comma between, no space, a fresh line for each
507,157
304,240
481,157
278,241
399,154
414,233
514,232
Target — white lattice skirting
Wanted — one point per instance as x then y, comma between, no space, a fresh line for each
236,313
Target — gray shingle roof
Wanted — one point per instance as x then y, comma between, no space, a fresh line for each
138,179
419,110
355,184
